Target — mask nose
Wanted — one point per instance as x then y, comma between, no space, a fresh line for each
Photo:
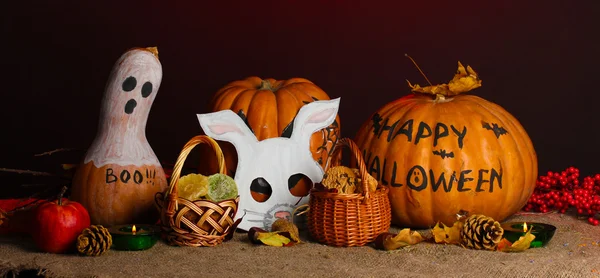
261,190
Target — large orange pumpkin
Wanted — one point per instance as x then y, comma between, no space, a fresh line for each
120,174
269,106
440,152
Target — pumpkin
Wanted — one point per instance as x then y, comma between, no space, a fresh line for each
120,174
268,107
441,151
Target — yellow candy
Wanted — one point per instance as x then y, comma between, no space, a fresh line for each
193,186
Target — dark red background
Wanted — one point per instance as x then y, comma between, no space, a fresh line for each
537,59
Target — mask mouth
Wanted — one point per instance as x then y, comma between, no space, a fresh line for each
251,214
265,220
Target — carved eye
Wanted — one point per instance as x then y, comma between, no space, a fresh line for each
299,185
260,190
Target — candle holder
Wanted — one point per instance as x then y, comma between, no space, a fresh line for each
542,232
125,237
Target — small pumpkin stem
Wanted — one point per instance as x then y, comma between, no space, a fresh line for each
153,50
415,63
60,195
266,85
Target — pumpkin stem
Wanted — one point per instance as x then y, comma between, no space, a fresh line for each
415,63
153,50
60,195
266,85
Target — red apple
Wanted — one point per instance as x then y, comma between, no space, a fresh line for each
57,225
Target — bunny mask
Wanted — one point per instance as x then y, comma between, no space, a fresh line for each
273,160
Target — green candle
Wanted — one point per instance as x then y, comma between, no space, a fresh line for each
542,232
134,236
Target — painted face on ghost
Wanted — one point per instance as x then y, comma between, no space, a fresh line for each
133,83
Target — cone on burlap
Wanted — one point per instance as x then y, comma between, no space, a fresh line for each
481,232
94,241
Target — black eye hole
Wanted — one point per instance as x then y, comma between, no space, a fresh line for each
260,190
146,89
129,84
299,185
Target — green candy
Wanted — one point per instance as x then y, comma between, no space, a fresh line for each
221,187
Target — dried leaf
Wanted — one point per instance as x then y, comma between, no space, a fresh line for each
445,234
273,239
504,243
464,80
522,244
405,237
283,225
253,234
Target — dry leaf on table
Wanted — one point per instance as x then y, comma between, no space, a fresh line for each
405,237
520,245
273,239
504,243
445,234
283,225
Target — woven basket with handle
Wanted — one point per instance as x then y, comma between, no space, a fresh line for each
337,219
200,222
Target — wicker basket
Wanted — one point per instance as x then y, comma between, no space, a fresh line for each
200,222
349,219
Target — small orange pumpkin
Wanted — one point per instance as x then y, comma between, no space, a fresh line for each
269,107
441,151
120,174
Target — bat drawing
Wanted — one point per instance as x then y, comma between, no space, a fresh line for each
442,153
498,130
376,123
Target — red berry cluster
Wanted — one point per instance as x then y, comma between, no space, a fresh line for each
563,190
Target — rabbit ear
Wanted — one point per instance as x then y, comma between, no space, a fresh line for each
313,117
225,125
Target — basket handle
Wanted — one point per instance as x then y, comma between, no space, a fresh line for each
196,140
362,168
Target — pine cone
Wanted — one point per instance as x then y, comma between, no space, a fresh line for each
94,241
481,232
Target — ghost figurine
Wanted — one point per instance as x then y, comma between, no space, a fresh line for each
273,162
120,173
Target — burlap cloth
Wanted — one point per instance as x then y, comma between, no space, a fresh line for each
573,252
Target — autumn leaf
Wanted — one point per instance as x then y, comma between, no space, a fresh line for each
257,235
504,243
520,245
405,237
273,239
283,225
445,234
465,79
